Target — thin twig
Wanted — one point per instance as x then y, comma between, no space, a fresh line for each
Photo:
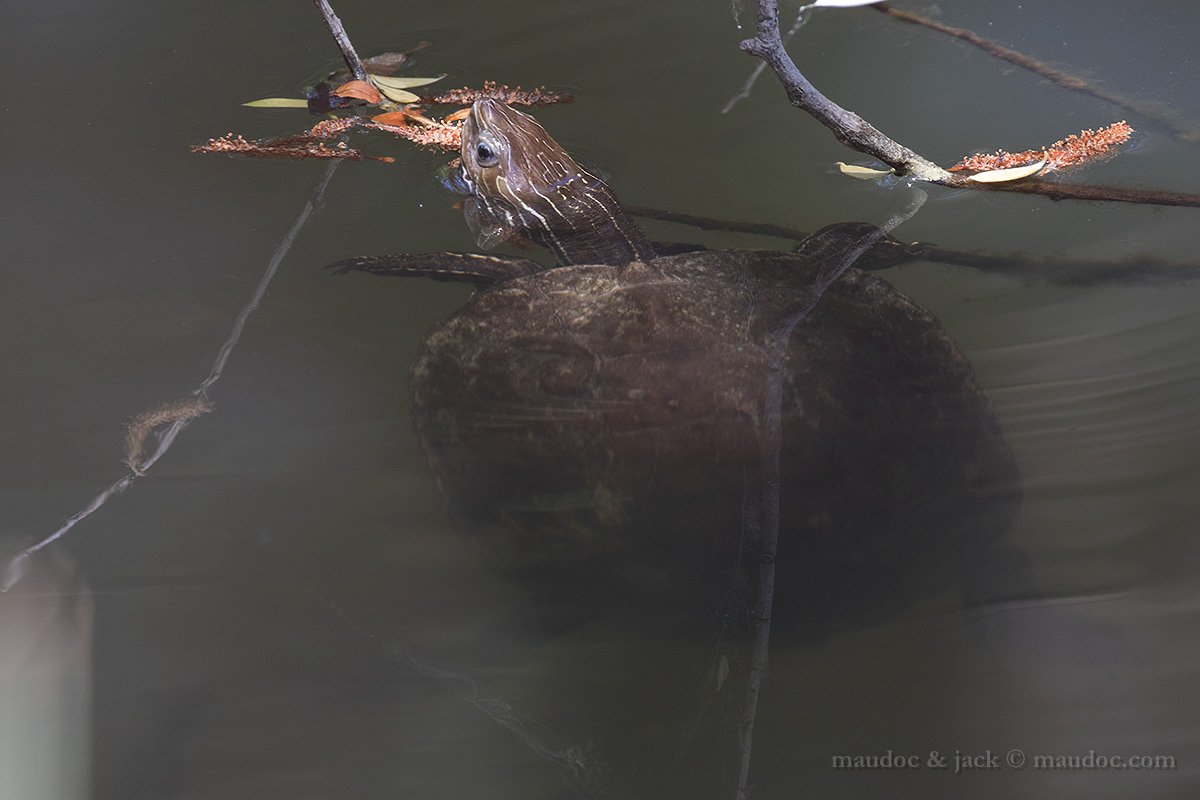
15,569
758,70
1056,76
770,439
343,41
581,766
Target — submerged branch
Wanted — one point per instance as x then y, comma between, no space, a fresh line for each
1110,194
770,442
1065,80
892,253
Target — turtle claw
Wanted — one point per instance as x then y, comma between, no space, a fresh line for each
403,265
347,265
463,267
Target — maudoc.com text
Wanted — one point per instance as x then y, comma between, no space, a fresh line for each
958,761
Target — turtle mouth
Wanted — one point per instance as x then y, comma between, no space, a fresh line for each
455,180
464,184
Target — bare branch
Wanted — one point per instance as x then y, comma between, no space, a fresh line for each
343,41
850,129
858,134
890,252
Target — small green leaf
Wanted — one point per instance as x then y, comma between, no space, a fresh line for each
278,102
862,173
1010,174
403,83
398,95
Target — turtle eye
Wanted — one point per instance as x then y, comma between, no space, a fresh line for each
485,156
487,150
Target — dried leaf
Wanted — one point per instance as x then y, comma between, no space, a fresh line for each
396,119
458,116
1010,174
387,63
414,114
278,102
862,173
398,95
842,3
360,90
402,82
382,64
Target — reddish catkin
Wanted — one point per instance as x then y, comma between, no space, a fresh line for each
513,95
1076,149
438,136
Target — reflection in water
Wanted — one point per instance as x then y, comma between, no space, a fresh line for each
606,435
218,675
177,415
45,683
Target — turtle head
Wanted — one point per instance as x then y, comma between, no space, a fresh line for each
524,185
509,154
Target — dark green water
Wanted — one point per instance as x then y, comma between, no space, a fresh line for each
282,607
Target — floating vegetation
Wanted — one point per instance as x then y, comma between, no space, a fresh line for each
289,147
1078,148
140,427
404,116
512,95
434,135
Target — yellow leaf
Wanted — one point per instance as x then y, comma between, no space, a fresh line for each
1010,174
402,83
278,102
862,173
398,95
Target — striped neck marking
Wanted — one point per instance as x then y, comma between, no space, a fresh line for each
528,186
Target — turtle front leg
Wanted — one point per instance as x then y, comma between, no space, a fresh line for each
467,267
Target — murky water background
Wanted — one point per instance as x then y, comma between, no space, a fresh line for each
282,608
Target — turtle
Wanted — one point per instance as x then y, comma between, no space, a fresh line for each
598,422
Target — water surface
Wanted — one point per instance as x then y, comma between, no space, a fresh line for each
283,607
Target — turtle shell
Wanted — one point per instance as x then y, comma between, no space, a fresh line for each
601,428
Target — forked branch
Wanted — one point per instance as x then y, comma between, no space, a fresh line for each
850,129
860,135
